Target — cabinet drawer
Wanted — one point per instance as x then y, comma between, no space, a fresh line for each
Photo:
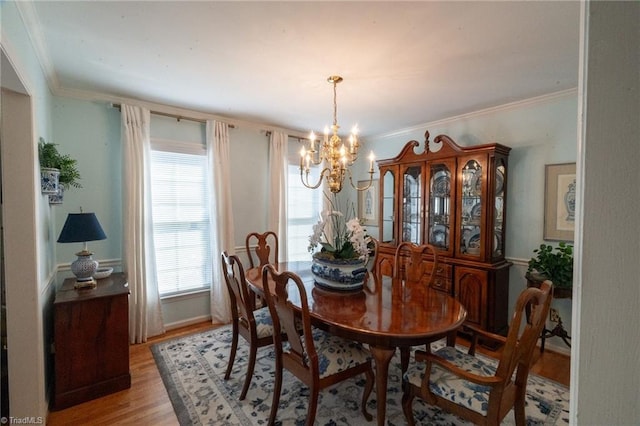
443,281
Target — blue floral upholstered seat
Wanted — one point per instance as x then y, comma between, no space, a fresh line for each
335,354
264,324
451,386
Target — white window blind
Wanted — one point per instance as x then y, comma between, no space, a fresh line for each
303,207
180,217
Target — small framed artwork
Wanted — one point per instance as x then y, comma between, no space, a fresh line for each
368,203
559,202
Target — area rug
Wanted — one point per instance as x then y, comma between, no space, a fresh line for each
193,368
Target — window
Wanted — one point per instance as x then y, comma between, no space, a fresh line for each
303,208
181,228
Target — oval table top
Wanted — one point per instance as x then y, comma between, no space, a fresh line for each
385,313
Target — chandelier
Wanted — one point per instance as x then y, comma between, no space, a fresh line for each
335,155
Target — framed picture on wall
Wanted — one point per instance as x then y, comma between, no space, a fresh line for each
559,201
368,203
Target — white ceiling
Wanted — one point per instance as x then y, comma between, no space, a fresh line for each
403,63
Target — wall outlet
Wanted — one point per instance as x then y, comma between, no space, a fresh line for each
554,316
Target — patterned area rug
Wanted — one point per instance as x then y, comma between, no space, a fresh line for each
193,367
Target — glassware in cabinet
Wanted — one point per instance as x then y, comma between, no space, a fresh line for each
472,201
412,200
387,208
440,205
499,208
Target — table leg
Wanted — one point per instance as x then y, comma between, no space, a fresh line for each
382,357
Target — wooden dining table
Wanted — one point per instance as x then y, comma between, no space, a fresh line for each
386,314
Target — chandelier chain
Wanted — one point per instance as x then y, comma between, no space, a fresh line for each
335,105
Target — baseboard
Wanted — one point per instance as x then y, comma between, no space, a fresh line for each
186,322
561,349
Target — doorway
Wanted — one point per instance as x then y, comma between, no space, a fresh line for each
19,270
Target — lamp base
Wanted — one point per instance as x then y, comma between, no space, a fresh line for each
84,267
85,283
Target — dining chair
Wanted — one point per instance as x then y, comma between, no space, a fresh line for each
474,388
372,264
263,247
412,268
254,325
317,358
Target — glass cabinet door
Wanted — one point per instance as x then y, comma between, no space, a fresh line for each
412,204
498,229
388,213
470,242
440,206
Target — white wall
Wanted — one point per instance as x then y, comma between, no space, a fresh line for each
605,377
90,132
27,221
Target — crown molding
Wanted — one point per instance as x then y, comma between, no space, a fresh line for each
475,114
92,96
32,24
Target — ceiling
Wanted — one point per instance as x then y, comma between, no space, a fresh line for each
403,63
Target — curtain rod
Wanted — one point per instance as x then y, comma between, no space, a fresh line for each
300,139
177,117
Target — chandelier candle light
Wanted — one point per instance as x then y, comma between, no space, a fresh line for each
336,155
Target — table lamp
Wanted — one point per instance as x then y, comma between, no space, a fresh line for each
80,228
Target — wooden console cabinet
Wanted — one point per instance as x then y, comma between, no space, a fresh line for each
91,340
453,198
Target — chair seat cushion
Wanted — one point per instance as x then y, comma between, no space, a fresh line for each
449,386
264,324
336,354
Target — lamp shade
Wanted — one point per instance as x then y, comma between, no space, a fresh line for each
81,227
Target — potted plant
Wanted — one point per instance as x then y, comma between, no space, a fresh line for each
49,172
342,260
552,263
58,172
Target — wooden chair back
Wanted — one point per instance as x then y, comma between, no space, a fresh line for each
517,352
301,358
254,325
265,248
409,262
242,299
373,274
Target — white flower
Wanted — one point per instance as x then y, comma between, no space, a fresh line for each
346,239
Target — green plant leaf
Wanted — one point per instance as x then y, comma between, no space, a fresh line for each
554,263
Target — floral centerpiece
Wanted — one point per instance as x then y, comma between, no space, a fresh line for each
344,248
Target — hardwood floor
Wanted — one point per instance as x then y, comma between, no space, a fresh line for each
146,402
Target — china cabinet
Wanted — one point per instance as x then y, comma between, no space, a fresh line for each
453,198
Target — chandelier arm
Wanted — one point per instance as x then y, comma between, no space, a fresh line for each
317,185
364,188
315,162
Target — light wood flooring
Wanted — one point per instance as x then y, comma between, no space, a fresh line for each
147,402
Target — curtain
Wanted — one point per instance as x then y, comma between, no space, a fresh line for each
222,235
277,213
139,263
